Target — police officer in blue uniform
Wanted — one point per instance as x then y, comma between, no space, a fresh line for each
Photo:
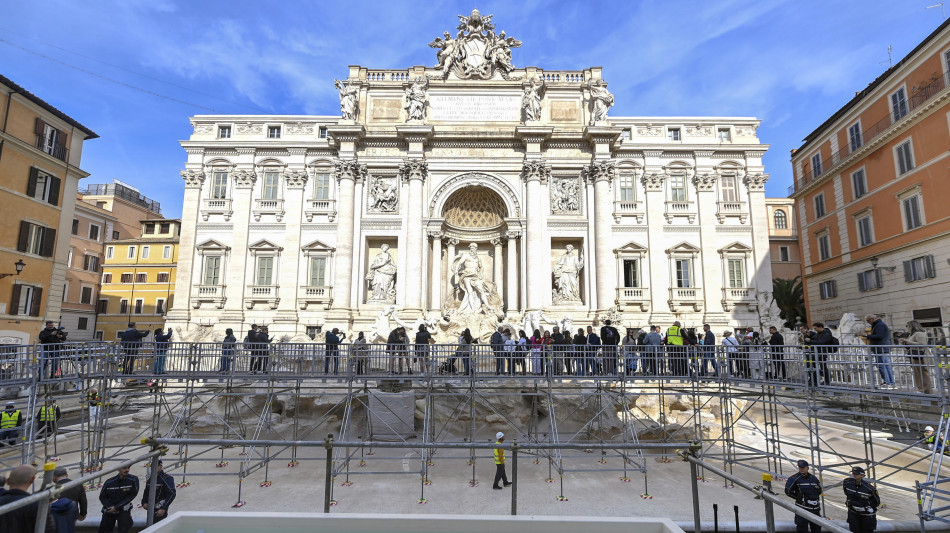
862,500
806,489
116,497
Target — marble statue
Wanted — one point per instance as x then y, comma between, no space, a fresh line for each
349,105
467,268
449,51
379,332
382,275
566,276
535,320
417,98
850,329
197,334
769,312
531,100
383,196
498,51
476,52
565,197
601,101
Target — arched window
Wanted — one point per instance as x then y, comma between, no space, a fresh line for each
781,219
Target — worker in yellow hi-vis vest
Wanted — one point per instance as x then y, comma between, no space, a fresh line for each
10,421
500,463
676,350
46,419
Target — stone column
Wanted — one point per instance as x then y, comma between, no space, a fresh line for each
435,285
761,259
348,172
498,270
290,266
414,171
653,181
239,264
511,286
450,245
186,246
711,264
601,173
533,173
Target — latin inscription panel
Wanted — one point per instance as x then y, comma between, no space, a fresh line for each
474,107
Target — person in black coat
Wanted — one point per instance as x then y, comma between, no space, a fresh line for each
609,339
497,342
70,506
22,519
116,496
777,344
131,341
164,493
862,501
250,346
806,489
423,338
816,361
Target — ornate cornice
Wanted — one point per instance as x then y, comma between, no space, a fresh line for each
245,150
296,179
244,179
299,128
536,170
512,234
193,178
349,169
756,182
436,234
414,169
653,181
600,171
705,182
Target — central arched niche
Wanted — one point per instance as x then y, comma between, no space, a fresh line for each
474,208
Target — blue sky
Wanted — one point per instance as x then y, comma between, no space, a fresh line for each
789,63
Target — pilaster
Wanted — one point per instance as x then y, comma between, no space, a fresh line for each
187,268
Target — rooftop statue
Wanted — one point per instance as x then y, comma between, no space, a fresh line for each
476,52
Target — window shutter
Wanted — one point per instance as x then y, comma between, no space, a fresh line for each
54,184
31,183
930,270
39,126
908,272
24,239
878,278
37,300
49,240
861,285
15,299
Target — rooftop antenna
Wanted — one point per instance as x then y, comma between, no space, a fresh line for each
942,10
888,57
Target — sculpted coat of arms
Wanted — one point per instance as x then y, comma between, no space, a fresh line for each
476,52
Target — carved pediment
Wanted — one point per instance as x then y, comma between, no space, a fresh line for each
211,244
736,248
631,248
683,248
264,245
318,246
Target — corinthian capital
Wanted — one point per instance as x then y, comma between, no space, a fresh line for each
296,179
244,179
600,171
653,181
193,178
705,182
414,169
756,182
537,170
349,169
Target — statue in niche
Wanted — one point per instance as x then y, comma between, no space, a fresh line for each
349,105
566,275
566,198
382,275
383,195
417,98
601,101
449,51
477,293
531,100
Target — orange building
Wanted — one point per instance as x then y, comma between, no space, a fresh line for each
783,238
871,196
40,150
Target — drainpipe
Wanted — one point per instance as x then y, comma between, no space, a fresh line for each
6,115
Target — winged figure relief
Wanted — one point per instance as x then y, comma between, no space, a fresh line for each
449,51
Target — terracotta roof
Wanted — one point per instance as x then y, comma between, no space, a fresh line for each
42,103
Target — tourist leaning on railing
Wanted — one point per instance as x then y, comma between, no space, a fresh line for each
918,356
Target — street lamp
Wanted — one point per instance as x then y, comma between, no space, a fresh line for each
874,262
19,268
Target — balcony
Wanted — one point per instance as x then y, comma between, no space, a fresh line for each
633,297
271,206
311,295
731,209
51,147
628,209
320,207
216,206
263,294
734,297
679,209
681,298
213,294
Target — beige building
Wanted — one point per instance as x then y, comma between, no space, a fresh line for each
40,152
90,228
783,238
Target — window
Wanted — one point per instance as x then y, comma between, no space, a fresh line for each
75,226
854,136
90,263
162,277
110,252
85,295
123,307
820,205
625,134
131,254
870,280
212,270
824,247
141,277
678,188
160,306
273,132
66,291
165,228
139,306
103,306
828,289
816,165
724,135
904,154
107,278
43,186
919,268
83,323
899,104
683,274
736,273
322,132
318,271
912,216
36,240
781,219
946,60
627,188
859,183
149,229
727,184
265,270
224,132
94,232
115,235
783,254
51,140
166,252
270,186
219,185
69,259
27,300
126,277
865,233
145,251
631,273
321,187
673,134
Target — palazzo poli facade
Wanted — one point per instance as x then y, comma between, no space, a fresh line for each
470,193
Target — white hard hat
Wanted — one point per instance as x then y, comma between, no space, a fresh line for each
929,428
499,435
